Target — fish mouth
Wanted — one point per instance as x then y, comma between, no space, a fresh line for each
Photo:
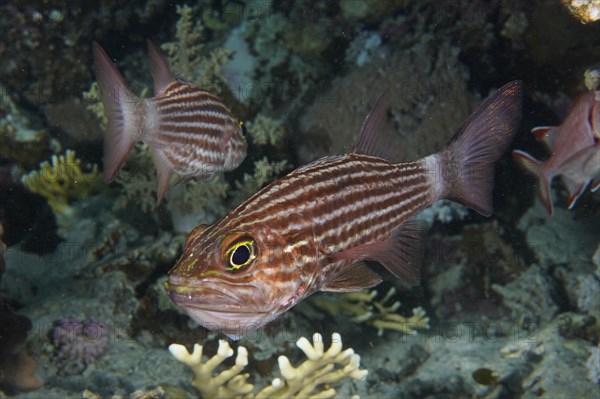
218,309
207,295
215,306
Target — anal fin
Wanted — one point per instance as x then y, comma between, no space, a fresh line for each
354,278
401,255
163,172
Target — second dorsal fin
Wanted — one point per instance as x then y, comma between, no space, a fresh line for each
371,139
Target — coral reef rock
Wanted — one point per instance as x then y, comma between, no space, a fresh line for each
428,98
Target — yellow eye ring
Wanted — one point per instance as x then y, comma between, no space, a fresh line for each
240,254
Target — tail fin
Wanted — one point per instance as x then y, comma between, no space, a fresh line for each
535,167
467,161
122,109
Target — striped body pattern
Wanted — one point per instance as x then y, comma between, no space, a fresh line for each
310,230
190,131
198,135
341,203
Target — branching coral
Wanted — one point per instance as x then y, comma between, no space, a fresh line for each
138,180
186,53
95,105
309,380
265,130
362,307
63,180
264,172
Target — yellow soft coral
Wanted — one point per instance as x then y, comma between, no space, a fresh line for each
63,180
308,380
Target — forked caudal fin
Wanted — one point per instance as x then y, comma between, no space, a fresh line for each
122,109
466,163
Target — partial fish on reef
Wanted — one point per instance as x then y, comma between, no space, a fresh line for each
575,148
308,231
190,131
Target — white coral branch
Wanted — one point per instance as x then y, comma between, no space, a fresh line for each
320,369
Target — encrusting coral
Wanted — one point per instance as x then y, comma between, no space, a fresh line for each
362,307
309,380
63,180
76,344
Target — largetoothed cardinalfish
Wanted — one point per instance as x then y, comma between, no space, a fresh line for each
575,149
190,131
310,230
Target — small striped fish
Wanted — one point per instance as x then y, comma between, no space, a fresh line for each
190,131
309,230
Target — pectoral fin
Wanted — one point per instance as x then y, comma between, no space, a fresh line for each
401,255
354,278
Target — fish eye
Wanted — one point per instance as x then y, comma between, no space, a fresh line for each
240,254
243,129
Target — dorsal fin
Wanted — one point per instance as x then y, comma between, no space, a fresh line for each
354,278
545,134
371,139
161,73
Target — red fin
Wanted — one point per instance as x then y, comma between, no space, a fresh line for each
163,173
545,134
535,167
161,73
354,278
581,168
575,189
372,138
401,255
468,158
119,107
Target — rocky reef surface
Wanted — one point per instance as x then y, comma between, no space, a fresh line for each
509,305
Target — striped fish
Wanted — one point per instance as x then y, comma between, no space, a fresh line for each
309,230
190,131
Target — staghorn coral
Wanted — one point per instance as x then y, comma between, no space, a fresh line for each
314,374
362,307
76,344
62,181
